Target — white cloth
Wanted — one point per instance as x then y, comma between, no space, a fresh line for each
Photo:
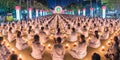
57,54
43,37
10,37
105,36
21,44
94,43
4,53
73,37
37,51
79,52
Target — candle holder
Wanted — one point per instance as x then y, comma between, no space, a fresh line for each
75,44
13,50
67,46
20,57
49,46
103,48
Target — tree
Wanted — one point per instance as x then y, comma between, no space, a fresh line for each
39,5
111,4
73,6
7,5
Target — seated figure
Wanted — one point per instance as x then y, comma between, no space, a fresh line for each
80,51
95,41
105,34
20,43
4,52
84,31
37,48
10,35
59,34
58,51
73,36
43,36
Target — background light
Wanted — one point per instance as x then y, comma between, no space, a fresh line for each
17,8
58,9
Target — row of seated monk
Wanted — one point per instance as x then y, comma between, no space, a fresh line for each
62,27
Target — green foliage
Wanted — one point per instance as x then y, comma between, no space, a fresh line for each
39,5
7,5
111,4
73,6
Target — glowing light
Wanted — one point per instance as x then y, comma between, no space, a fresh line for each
84,12
20,57
89,38
49,46
30,13
67,45
109,43
103,48
91,11
79,12
17,8
13,50
8,45
75,44
103,11
40,12
58,9
36,12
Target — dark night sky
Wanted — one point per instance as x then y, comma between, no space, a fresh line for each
63,3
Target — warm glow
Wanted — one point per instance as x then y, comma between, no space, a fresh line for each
20,56
13,50
103,48
49,46
75,44
109,43
8,45
67,45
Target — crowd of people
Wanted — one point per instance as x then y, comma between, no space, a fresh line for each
63,28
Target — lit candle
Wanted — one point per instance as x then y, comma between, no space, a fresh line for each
67,45
109,43
75,44
103,48
49,46
13,50
20,57
89,38
8,45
